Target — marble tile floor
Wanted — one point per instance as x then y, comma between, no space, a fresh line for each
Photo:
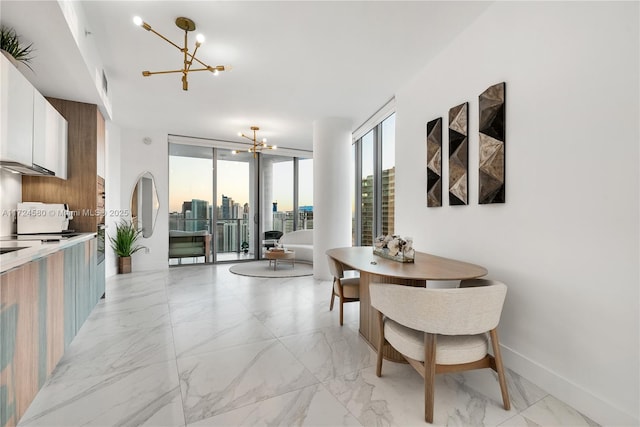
200,346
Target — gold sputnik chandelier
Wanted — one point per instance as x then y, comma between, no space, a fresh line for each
257,145
187,25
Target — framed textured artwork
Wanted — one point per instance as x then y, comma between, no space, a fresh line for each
492,144
434,163
458,154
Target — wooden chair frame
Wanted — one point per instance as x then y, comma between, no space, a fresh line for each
337,271
341,297
428,369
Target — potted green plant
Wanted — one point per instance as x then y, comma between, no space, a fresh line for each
245,247
10,43
125,244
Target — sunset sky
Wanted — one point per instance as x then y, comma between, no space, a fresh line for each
191,178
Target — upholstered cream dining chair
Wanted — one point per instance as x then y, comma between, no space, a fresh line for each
346,289
442,330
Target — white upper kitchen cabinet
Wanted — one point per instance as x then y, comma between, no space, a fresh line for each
16,124
49,137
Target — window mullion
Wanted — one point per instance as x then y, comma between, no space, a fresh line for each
358,193
296,212
377,180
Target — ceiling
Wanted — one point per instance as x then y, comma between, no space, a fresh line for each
293,61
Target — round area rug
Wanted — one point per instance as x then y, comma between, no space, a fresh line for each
262,269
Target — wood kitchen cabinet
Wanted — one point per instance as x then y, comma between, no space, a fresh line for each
83,190
43,304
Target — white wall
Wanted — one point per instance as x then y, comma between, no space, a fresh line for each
332,167
115,211
566,240
136,157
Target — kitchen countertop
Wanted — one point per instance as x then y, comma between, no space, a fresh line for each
34,247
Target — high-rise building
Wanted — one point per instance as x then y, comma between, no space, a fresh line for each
388,200
227,236
186,206
189,224
227,203
305,218
367,211
195,214
199,213
176,221
235,211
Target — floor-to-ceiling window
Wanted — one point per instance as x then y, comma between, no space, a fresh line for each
374,196
388,173
305,194
355,217
235,205
222,202
190,201
282,202
367,190
287,188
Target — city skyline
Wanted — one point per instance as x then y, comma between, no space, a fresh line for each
192,178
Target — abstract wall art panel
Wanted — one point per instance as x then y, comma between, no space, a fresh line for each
492,144
434,163
458,154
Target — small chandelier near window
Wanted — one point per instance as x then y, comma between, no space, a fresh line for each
187,25
257,146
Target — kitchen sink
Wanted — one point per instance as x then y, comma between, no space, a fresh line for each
8,250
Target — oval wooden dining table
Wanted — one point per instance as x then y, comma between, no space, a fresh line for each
374,268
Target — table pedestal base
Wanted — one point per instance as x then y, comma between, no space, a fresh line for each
369,328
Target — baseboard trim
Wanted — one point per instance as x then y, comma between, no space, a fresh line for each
595,407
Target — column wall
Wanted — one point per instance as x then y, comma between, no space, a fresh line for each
332,167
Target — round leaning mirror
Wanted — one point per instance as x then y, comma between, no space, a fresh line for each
145,204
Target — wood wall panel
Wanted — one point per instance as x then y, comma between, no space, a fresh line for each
85,130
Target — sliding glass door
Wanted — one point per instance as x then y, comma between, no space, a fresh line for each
236,227
221,203
190,200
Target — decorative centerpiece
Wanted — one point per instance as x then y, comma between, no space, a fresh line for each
394,247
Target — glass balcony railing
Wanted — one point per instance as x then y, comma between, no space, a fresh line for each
233,235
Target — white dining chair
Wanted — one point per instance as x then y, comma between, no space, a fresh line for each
442,330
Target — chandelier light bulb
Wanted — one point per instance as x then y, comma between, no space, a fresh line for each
234,152
273,147
257,145
189,58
